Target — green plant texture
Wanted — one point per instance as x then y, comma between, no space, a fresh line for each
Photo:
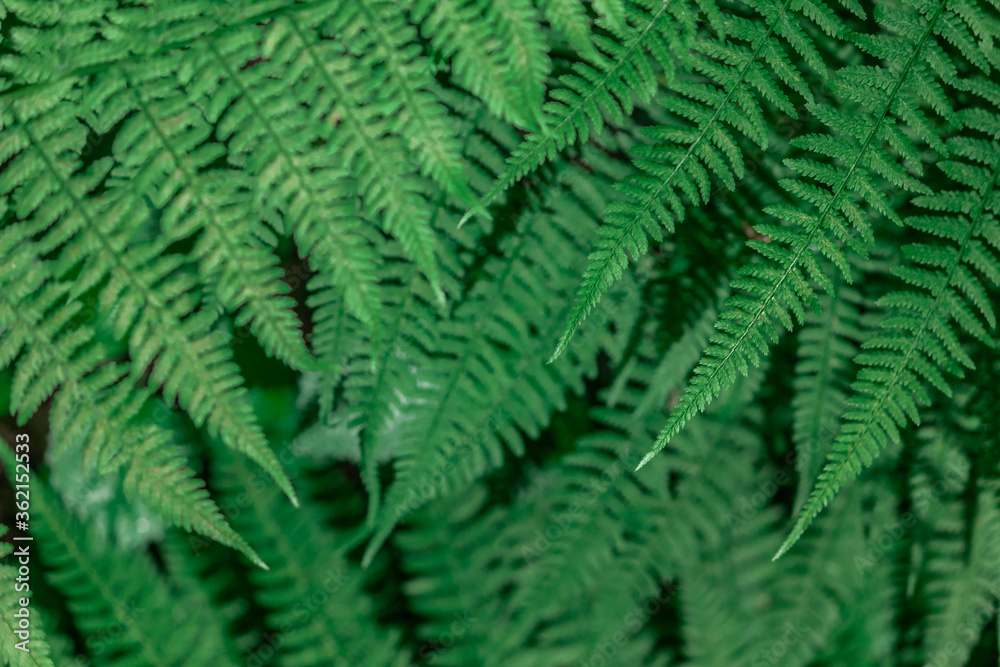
504,333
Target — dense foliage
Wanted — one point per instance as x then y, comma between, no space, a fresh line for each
501,332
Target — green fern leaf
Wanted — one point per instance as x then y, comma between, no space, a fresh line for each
603,85
918,339
701,147
482,387
154,305
164,140
962,576
613,12
389,50
483,41
827,343
158,475
779,287
314,197
304,558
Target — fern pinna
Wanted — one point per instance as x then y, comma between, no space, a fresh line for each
340,332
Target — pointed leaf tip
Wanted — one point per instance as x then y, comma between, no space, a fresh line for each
560,348
646,459
465,218
292,496
479,208
376,544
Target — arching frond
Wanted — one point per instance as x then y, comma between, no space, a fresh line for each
699,148
779,288
485,39
919,337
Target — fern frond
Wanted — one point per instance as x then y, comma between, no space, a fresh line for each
94,406
604,84
336,336
377,29
158,475
56,46
484,42
483,386
572,528
374,157
93,403
524,48
700,146
163,142
613,12
589,496
377,399
152,299
578,522
206,581
827,343
727,582
442,535
315,198
378,387
228,225
919,338
778,288
963,582
570,18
